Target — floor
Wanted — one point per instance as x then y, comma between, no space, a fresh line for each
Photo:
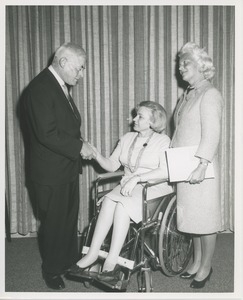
23,274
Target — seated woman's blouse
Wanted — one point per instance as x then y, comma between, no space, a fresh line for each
153,157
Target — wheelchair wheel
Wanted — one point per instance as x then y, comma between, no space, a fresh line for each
175,248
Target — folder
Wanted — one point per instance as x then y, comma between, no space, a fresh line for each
182,161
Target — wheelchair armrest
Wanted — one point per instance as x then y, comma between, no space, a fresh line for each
110,175
148,184
153,182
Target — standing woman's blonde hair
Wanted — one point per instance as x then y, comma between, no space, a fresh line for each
201,57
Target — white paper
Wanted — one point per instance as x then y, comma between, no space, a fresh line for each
182,161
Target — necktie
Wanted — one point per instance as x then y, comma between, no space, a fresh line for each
69,98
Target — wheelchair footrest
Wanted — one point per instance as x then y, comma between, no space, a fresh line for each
91,276
120,285
124,262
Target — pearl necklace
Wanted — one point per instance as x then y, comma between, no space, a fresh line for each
130,151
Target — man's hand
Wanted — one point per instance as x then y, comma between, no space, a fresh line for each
87,151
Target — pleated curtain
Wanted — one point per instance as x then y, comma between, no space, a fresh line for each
131,57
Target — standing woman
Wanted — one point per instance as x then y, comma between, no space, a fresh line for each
198,122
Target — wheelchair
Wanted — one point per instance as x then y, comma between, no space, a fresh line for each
153,244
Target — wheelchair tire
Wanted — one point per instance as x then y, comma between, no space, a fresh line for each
175,248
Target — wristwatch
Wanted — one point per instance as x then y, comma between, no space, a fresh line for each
204,163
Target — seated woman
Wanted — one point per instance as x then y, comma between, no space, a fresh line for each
142,153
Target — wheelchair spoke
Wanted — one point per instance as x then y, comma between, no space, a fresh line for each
175,247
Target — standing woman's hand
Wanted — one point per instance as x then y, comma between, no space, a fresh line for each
198,175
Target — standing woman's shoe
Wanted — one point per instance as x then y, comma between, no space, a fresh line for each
187,275
200,284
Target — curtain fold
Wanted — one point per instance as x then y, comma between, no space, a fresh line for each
131,57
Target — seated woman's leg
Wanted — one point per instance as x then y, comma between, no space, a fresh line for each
102,228
121,225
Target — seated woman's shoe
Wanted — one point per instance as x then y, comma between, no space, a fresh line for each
74,269
77,271
110,275
187,275
85,273
200,284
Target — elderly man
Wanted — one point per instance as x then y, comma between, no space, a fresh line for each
55,163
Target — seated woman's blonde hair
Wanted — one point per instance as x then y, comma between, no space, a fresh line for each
201,57
158,115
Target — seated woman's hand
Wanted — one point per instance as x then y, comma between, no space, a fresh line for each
129,185
86,151
124,180
94,151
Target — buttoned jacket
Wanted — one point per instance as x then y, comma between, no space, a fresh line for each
54,130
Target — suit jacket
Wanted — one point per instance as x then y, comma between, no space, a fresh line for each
54,132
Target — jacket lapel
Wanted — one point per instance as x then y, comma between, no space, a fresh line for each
75,115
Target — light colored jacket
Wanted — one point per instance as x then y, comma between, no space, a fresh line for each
198,120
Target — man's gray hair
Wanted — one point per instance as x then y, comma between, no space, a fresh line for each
68,50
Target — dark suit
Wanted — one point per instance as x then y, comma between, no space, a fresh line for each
55,164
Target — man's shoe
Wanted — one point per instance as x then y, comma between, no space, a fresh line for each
54,282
